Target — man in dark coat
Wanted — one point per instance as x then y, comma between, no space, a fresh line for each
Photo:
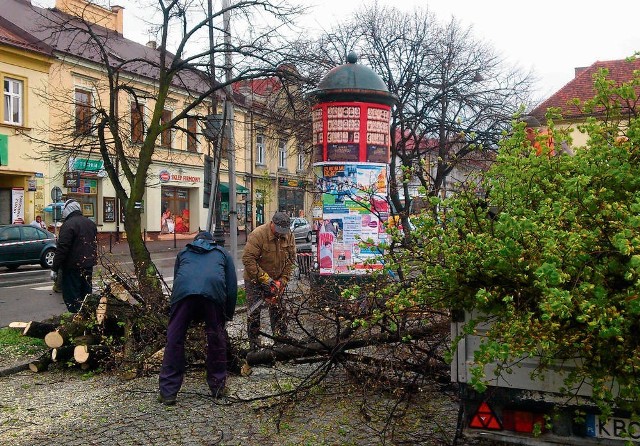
76,255
205,288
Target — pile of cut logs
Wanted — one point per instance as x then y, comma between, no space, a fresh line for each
89,337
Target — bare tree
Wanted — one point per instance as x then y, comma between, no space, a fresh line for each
179,72
456,94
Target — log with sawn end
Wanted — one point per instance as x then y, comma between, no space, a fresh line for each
89,353
41,364
64,334
38,330
63,353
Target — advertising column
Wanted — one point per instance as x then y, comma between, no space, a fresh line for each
352,139
354,209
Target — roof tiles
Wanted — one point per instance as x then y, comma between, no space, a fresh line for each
581,87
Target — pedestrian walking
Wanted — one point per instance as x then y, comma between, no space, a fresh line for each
205,288
268,258
76,255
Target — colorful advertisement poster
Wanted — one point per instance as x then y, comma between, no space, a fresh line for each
354,208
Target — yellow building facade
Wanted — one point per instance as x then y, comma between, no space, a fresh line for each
24,171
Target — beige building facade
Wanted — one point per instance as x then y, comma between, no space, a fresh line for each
270,174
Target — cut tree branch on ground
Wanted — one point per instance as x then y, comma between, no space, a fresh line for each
334,347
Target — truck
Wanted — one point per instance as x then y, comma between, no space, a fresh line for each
523,404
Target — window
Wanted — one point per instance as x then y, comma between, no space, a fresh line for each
137,123
301,161
165,136
282,154
83,112
11,233
31,233
192,141
13,94
260,152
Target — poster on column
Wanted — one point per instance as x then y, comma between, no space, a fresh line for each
351,224
17,205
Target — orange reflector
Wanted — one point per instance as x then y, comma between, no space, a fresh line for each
485,418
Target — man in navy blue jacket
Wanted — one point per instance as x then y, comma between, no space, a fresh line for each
205,288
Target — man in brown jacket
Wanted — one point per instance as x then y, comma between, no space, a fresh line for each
268,259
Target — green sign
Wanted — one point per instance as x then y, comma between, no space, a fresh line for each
4,150
87,165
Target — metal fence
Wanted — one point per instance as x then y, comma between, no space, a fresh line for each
305,263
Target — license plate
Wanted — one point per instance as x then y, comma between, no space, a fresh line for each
615,428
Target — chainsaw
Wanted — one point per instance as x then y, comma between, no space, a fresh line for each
272,292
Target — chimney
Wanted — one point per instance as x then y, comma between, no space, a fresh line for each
109,18
119,18
579,70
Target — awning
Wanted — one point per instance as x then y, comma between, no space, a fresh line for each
224,188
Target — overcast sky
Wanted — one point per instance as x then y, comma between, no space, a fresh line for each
552,37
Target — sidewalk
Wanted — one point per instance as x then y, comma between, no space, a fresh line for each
161,243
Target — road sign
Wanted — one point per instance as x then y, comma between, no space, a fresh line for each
56,194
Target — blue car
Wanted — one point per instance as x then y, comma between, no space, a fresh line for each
26,245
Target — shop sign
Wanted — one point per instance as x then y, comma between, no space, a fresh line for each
87,165
165,176
71,179
290,182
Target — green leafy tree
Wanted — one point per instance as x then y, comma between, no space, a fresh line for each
549,256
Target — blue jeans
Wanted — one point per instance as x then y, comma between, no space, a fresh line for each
194,308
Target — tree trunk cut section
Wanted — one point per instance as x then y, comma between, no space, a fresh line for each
41,364
89,353
62,354
38,330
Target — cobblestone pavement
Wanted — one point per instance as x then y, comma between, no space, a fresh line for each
63,407
69,407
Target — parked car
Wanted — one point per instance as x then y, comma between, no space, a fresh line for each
26,245
301,229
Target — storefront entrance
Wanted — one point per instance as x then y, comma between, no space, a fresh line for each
175,210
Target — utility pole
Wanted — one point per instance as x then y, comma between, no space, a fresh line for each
229,127
213,137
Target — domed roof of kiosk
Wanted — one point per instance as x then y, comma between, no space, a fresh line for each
353,82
